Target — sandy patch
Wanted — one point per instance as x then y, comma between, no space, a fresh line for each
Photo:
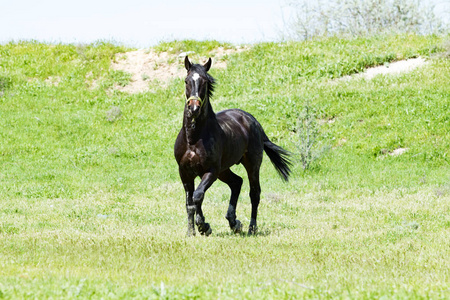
398,151
53,80
150,69
397,67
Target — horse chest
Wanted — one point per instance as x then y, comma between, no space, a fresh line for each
192,160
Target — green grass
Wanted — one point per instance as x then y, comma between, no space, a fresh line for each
196,47
92,206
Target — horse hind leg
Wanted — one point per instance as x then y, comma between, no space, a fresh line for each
235,183
255,194
252,166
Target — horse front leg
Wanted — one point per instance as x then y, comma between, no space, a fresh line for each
190,207
198,196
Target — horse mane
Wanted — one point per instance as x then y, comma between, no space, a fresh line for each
211,85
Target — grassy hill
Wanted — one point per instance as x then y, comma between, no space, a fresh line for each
92,206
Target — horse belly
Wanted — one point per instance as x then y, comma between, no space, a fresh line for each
233,152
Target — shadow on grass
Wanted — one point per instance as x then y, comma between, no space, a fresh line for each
243,234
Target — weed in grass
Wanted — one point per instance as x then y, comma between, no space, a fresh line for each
121,78
5,83
114,114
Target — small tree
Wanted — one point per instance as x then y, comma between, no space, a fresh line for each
310,146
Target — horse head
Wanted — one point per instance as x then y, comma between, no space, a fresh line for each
199,87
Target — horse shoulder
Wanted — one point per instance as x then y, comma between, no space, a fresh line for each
181,146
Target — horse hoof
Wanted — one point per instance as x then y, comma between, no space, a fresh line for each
205,229
237,227
252,230
208,232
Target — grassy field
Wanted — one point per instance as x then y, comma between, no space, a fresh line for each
91,205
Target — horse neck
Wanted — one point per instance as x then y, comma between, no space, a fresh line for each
195,127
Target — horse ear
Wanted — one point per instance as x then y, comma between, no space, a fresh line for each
207,65
187,63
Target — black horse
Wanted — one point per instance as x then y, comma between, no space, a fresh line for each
209,144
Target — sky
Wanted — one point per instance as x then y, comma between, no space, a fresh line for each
141,23
145,23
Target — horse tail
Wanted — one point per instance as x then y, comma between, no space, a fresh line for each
279,158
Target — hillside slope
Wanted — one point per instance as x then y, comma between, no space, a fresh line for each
92,206
57,138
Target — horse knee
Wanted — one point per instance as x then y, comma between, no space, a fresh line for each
198,197
199,220
190,210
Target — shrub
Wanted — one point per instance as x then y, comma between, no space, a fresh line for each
362,18
309,137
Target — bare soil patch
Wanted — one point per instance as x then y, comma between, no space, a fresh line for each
398,151
151,69
397,67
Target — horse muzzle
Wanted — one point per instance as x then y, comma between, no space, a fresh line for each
194,101
194,104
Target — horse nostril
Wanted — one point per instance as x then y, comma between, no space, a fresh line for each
193,105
